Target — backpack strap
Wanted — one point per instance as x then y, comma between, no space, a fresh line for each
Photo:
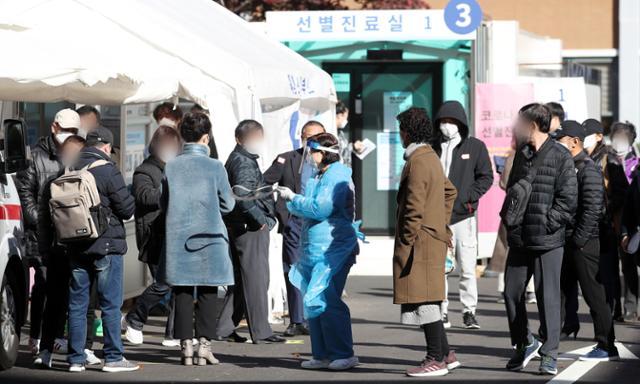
97,163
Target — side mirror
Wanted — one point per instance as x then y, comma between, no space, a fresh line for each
14,151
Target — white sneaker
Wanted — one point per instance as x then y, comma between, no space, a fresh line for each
176,342
61,346
134,336
44,359
91,357
171,342
34,346
123,323
315,364
76,368
344,364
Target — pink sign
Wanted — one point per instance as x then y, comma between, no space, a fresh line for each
497,107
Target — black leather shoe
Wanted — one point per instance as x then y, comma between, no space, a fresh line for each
296,330
270,340
232,338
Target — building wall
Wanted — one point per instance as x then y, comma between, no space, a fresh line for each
581,24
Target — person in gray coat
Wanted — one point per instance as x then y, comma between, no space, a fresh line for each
196,194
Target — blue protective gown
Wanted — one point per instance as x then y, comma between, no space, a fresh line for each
329,235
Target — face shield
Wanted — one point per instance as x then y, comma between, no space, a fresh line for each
308,167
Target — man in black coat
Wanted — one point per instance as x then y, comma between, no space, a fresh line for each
101,259
31,183
466,162
581,261
248,225
285,171
536,245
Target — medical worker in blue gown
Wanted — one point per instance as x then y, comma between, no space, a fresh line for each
329,244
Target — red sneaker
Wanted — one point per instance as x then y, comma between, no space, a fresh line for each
452,361
429,368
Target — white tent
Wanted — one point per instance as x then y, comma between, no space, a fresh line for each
135,51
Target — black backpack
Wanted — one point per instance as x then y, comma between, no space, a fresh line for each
517,198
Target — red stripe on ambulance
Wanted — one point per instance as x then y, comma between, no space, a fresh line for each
10,211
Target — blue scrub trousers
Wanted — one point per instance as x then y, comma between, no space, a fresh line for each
331,337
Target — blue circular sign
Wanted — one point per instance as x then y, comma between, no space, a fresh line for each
463,16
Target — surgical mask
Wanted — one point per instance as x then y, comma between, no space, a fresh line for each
62,136
168,122
449,130
82,133
564,145
253,147
344,123
620,145
167,154
590,141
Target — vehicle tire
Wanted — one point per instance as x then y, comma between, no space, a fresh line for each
9,332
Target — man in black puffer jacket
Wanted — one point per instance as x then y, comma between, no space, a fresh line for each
466,162
248,224
31,184
581,262
101,260
536,245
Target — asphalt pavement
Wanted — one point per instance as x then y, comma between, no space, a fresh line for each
385,348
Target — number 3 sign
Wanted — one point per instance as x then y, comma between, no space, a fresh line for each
462,16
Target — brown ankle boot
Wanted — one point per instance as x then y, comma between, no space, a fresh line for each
204,352
187,351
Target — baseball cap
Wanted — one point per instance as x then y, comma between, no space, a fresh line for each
592,126
100,135
67,118
570,128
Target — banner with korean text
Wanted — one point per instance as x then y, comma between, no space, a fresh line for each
496,108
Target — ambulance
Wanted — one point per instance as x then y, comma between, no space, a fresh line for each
13,271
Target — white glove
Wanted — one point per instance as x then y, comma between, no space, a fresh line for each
285,193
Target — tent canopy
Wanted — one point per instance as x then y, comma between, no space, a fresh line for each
135,51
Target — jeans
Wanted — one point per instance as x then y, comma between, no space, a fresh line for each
108,274
152,296
331,336
465,245
545,266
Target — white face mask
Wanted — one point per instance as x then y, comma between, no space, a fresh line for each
168,122
253,147
344,123
620,145
590,141
168,154
449,130
62,136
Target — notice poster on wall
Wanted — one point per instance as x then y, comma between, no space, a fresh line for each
497,107
389,161
135,143
393,103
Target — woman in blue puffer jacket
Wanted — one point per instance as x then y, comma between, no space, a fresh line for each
330,244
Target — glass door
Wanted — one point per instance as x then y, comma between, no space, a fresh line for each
375,94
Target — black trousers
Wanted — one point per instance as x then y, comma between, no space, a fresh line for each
291,250
545,266
569,287
631,289
38,296
250,255
610,267
205,312
583,265
152,296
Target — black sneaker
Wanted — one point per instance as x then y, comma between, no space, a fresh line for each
232,338
445,321
469,320
296,330
548,366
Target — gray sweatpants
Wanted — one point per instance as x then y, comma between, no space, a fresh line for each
545,266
